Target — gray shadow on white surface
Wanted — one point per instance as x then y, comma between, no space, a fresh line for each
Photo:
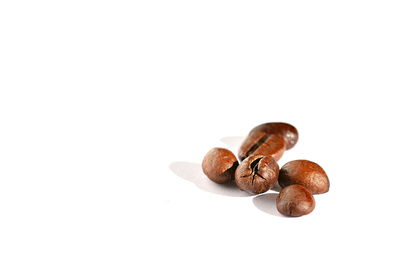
233,142
267,203
193,173
277,188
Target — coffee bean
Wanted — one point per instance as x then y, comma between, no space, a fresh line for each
286,131
219,165
295,200
306,173
261,143
257,174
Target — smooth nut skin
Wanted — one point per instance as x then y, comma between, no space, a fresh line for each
285,130
257,174
219,165
306,173
261,143
295,200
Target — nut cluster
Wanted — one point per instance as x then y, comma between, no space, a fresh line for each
259,171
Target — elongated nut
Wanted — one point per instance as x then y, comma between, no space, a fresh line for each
285,130
306,173
261,143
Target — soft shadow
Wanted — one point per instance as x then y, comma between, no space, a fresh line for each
193,173
277,188
267,203
233,142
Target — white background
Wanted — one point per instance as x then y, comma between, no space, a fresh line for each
108,107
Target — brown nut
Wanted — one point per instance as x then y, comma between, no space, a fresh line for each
287,131
219,165
261,143
257,174
306,173
295,200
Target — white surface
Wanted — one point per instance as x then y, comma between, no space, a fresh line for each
107,108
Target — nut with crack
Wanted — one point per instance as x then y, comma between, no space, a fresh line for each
257,174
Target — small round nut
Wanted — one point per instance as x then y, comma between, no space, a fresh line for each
257,174
219,165
294,201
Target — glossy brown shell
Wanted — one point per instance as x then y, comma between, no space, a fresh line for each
295,200
261,143
219,165
257,174
306,173
287,131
